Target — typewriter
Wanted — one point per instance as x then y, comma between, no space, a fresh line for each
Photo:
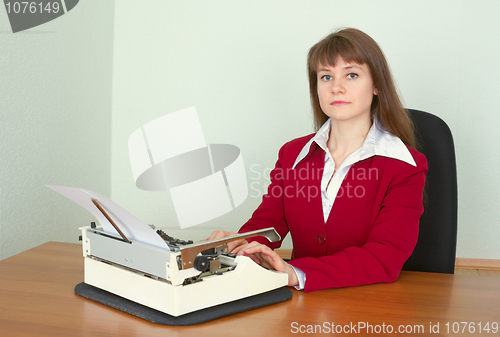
131,259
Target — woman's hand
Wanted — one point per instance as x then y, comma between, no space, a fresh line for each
267,258
230,245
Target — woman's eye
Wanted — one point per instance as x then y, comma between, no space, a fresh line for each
326,77
352,76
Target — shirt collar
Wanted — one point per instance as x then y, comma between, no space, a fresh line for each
378,142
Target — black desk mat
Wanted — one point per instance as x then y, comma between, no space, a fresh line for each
192,318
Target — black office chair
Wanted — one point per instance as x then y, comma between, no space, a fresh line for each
437,239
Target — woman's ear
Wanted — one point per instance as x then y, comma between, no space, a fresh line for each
375,92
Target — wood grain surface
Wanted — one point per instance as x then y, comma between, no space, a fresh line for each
37,299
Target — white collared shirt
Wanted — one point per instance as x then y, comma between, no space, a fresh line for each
378,142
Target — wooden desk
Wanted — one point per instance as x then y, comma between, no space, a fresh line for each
37,299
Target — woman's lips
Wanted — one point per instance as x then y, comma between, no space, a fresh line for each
339,103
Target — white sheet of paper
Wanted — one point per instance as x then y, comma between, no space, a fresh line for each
131,226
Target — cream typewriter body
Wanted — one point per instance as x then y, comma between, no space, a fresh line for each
130,259
183,278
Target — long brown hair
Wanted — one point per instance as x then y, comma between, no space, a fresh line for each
352,45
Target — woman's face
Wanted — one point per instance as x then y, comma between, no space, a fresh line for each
345,91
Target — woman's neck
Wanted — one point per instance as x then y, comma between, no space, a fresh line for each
346,137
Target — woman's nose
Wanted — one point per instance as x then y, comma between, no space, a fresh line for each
337,86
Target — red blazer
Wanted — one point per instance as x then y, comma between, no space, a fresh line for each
373,224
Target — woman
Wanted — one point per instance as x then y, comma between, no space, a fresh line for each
351,194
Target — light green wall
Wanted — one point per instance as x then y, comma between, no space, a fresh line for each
55,123
242,64
74,89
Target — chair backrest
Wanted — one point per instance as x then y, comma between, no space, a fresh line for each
437,239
